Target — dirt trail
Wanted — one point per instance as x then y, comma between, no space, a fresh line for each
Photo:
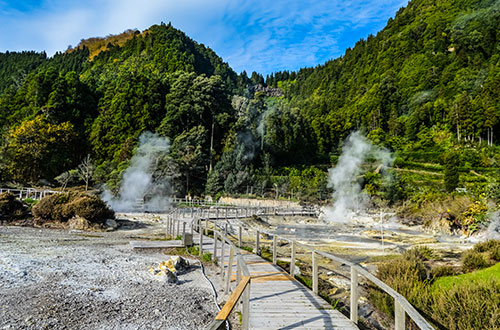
59,279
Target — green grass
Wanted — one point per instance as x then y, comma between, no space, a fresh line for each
247,248
483,275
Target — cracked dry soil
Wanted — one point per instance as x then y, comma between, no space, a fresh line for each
59,279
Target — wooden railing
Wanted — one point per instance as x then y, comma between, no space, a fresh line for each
401,306
24,193
241,293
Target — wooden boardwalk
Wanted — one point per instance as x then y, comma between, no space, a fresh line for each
279,301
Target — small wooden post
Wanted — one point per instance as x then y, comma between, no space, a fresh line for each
399,316
275,243
315,272
222,252
238,271
257,243
192,226
178,228
206,227
201,243
215,247
226,212
245,313
229,269
240,235
292,262
354,295
217,213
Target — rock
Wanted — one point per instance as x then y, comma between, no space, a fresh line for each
179,262
297,271
112,223
79,223
341,283
171,277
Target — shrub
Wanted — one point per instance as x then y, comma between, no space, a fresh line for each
89,207
62,207
10,207
472,260
440,271
464,305
486,246
471,306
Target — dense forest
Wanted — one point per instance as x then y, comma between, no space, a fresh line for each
426,87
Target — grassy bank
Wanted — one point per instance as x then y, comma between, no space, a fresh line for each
466,301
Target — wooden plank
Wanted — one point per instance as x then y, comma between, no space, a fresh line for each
155,244
233,299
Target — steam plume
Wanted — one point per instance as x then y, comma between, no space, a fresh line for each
493,231
347,195
138,183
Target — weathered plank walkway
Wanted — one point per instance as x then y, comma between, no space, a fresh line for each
279,301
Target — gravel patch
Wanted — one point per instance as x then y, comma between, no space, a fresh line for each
57,279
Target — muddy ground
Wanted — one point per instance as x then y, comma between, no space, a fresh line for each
61,279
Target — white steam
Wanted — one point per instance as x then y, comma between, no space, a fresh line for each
493,231
138,188
344,178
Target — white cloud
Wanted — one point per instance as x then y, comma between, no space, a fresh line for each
254,35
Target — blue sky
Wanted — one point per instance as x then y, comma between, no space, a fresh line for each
251,35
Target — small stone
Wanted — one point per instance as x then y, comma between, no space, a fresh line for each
171,277
111,223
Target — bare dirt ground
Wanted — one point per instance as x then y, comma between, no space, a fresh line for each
61,279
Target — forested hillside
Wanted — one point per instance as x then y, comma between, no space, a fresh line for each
432,71
426,87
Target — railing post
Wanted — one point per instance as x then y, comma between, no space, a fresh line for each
201,243
178,228
206,227
215,247
183,229
399,316
240,234
223,247
315,272
275,243
354,295
229,269
292,262
238,271
246,307
257,243
192,226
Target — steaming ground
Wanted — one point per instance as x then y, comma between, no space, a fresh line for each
72,280
139,183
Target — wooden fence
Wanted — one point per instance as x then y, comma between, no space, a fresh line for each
25,193
401,306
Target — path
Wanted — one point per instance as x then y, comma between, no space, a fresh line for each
279,301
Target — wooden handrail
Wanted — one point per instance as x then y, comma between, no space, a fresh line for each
402,306
233,299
